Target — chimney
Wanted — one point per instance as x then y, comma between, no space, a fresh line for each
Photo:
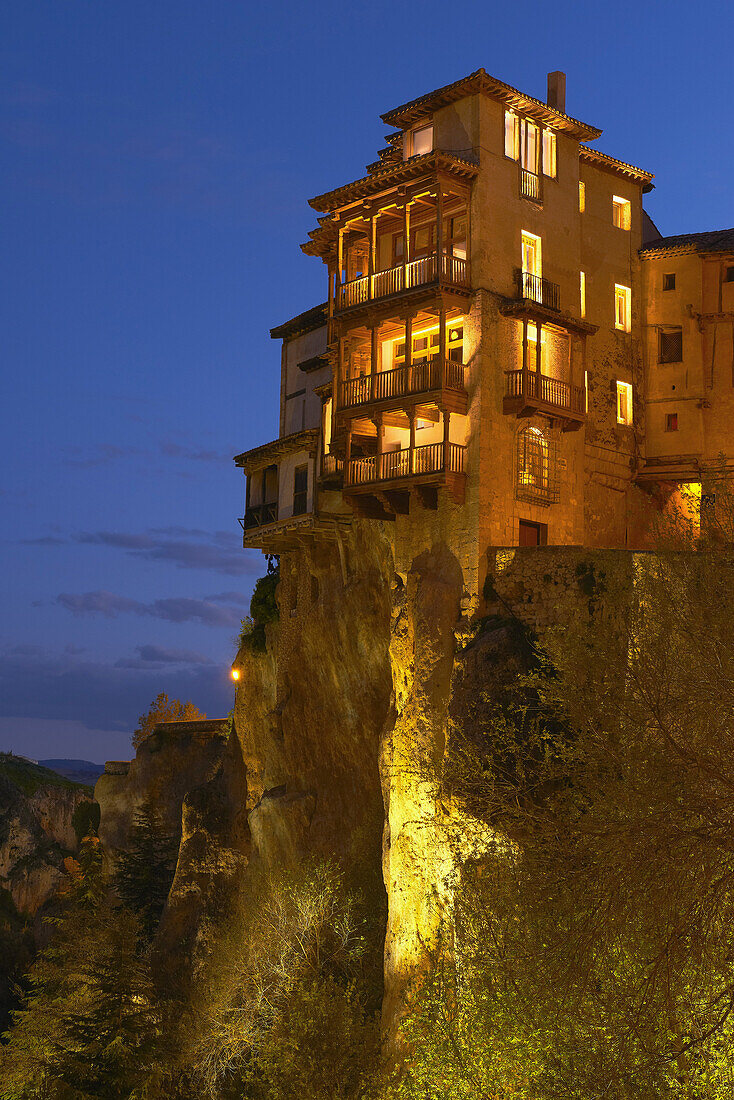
557,91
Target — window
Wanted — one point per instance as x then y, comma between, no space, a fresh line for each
512,136
532,284
549,154
533,534
729,274
300,490
622,307
582,196
621,212
582,290
671,422
624,403
671,346
521,141
421,141
669,282
537,467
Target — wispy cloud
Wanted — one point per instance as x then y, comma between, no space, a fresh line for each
177,609
154,656
216,551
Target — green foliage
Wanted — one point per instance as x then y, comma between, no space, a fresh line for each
289,1009
87,1026
263,609
163,709
145,870
85,819
28,777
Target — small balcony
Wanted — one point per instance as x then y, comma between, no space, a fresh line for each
528,392
531,185
535,288
393,467
427,376
445,271
332,470
259,515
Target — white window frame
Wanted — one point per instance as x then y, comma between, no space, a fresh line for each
621,212
550,154
427,126
622,318
624,403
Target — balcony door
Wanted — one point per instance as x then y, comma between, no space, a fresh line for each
531,257
300,490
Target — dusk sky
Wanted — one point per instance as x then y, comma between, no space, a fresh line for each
157,161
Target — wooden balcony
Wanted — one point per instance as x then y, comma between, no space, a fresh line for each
528,392
391,469
428,376
259,515
444,271
332,470
535,288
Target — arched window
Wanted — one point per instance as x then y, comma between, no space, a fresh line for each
537,466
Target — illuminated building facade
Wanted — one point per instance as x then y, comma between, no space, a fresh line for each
480,373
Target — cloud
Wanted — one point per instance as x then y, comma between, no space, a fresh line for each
45,540
216,551
156,655
178,450
175,609
102,696
98,454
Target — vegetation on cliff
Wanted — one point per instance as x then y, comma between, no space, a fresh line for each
263,608
163,709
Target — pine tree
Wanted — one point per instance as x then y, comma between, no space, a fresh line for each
88,1026
145,871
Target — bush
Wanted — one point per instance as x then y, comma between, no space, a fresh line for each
263,610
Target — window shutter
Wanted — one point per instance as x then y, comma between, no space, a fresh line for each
671,346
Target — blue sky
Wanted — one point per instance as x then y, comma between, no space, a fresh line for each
156,162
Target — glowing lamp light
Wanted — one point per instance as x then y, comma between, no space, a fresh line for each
235,674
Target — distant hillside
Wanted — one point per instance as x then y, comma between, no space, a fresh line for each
78,771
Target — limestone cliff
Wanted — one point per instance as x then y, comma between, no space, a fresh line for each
41,818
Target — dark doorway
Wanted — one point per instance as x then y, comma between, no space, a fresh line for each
533,534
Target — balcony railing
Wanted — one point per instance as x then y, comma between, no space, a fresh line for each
259,515
331,465
540,389
432,458
433,268
537,289
530,185
435,373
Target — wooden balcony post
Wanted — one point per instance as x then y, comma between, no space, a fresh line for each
525,358
406,243
371,255
442,344
411,452
374,353
408,354
339,265
348,454
439,231
379,424
446,429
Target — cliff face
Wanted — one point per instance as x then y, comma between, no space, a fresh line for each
38,812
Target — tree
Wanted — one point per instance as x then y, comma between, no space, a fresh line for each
145,870
87,1026
164,710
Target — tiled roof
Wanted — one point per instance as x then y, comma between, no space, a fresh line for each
392,174
480,81
266,453
595,156
305,322
715,240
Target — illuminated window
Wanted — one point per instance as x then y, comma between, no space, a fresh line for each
521,141
586,391
622,307
582,196
532,282
421,141
537,467
624,403
671,346
668,282
671,422
549,154
512,136
582,291
621,212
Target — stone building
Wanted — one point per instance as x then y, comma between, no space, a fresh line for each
509,352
